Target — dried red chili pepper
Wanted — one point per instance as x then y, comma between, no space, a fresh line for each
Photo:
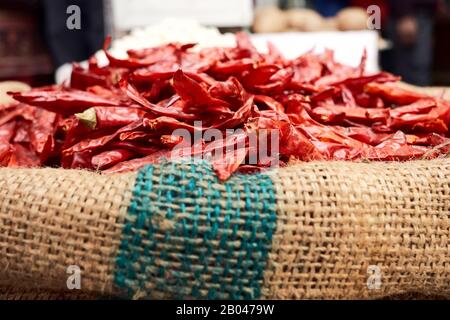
41,129
5,153
23,157
229,163
239,117
422,116
18,110
153,108
109,117
159,90
230,91
141,149
393,94
127,112
274,56
395,148
62,101
337,114
170,140
277,82
166,125
95,143
82,79
7,131
363,134
259,76
135,135
109,158
232,67
197,98
147,57
138,163
78,160
22,133
332,144
270,103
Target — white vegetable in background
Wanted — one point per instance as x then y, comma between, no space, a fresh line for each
169,30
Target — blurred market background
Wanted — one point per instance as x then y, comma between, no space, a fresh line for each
36,46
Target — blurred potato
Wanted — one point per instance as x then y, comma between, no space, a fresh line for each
306,20
352,18
330,24
269,19
7,86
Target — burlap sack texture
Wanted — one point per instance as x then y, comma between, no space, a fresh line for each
336,219
309,231
51,219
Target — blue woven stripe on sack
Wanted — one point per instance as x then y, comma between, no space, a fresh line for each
187,235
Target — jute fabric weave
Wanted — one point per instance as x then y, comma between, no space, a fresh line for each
335,219
309,231
51,219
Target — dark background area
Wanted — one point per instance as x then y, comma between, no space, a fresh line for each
34,40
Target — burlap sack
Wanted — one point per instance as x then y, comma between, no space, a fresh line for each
51,219
310,231
19,293
336,219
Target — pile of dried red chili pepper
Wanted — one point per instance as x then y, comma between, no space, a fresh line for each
122,116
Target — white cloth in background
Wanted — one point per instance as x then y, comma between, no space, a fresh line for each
348,46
